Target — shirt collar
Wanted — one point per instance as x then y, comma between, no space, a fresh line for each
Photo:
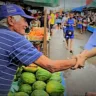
4,27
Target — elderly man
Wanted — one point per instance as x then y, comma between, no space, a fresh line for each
16,49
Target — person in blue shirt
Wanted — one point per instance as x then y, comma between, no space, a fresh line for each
79,25
15,49
69,35
90,51
58,22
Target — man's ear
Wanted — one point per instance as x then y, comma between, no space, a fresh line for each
10,20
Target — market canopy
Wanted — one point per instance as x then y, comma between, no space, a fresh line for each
79,9
42,3
93,4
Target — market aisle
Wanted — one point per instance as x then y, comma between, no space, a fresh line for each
79,81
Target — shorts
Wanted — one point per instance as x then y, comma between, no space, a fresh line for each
79,26
67,36
51,26
58,24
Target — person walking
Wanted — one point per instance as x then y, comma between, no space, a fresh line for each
69,35
64,19
52,22
79,24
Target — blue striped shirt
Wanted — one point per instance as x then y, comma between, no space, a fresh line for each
14,49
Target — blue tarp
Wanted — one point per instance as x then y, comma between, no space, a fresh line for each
63,83
79,9
91,29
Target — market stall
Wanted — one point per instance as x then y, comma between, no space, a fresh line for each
36,36
92,8
50,3
36,81
91,28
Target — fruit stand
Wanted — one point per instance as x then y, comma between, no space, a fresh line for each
36,36
36,81
43,3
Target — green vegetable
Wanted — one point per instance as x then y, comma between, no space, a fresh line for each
28,77
15,78
25,88
43,75
11,94
54,87
56,73
21,94
56,77
39,93
18,72
40,85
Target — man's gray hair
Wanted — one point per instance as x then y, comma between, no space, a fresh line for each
4,22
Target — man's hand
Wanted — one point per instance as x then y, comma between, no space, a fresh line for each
80,60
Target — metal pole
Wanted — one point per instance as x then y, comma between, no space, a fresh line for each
45,33
64,5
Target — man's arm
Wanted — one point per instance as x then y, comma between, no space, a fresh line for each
81,58
55,65
28,54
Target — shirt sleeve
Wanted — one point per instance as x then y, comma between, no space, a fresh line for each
91,42
23,51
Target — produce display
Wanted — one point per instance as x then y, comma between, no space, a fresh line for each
94,26
36,33
36,81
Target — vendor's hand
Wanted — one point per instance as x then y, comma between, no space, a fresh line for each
80,60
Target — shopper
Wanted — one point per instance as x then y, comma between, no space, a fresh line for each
15,49
41,19
85,23
52,22
64,19
79,24
58,22
69,35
